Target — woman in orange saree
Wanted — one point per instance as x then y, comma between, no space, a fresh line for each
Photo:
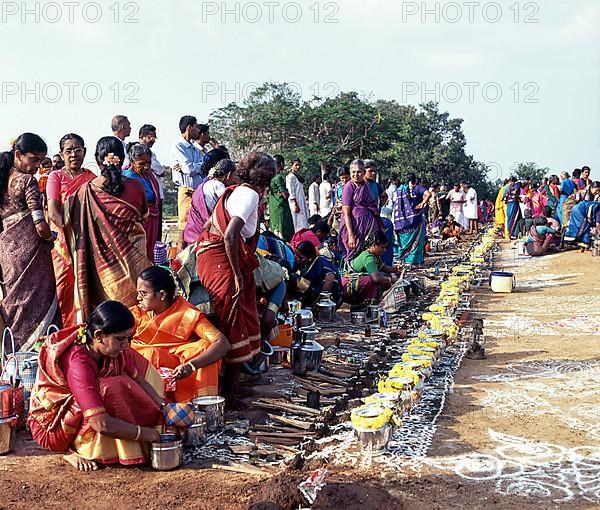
104,229
61,185
226,260
174,334
94,395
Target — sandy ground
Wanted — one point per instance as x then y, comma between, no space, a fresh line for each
519,429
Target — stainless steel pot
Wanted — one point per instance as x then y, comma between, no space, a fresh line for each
358,318
167,454
279,354
294,306
372,313
309,334
306,357
325,309
214,409
374,439
194,435
303,319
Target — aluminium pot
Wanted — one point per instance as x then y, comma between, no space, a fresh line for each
214,409
325,309
166,454
358,318
374,440
306,357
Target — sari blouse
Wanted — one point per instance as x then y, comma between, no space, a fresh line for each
82,373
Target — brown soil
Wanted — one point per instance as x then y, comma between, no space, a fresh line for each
497,418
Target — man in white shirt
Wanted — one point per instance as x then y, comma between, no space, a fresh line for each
187,170
325,192
470,208
297,198
121,128
148,137
314,197
457,199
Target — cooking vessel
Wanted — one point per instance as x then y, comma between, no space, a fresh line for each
325,308
306,357
374,439
294,306
303,319
308,334
194,435
279,353
214,409
372,313
358,318
166,454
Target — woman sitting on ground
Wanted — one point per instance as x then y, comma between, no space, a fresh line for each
540,237
172,333
368,276
94,395
316,274
452,229
585,216
314,235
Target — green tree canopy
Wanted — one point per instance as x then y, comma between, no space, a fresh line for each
530,170
327,133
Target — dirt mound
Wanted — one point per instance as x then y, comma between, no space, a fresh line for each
356,496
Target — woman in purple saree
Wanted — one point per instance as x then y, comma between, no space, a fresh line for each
360,213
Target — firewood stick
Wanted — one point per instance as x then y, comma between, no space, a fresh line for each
290,421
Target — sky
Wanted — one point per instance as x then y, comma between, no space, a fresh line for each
524,76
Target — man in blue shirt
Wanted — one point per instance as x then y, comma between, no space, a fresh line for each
187,170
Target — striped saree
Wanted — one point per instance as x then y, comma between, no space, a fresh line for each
107,242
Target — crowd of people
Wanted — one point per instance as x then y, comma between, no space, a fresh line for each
552,214
82,250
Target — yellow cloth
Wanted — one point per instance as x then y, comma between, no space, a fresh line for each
176,336
184,203
500,209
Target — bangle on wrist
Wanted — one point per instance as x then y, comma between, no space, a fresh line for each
191,365
138,434
273,307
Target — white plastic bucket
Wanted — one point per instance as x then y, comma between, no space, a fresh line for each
502,282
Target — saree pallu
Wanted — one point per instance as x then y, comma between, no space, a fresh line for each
412,243
500,209
584,216
197,217
152,221
57,422
176,336
29,304
538,201
107,242
61,258
237,317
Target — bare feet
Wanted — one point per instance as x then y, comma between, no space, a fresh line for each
80,463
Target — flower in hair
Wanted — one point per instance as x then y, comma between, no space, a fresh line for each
12,142
81,335
111,159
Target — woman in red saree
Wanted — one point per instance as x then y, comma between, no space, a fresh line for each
61,185
174,334
28,305
104,230
94,395
140,156
226,262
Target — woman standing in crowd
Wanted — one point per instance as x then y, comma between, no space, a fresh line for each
280,215
62,184
500,208
94,395
410,213
567,188
513,210
221,174
104,229
226,261
360,214
140,169
29,302
172,333
553,193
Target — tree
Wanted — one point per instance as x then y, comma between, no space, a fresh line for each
530,171
326,133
